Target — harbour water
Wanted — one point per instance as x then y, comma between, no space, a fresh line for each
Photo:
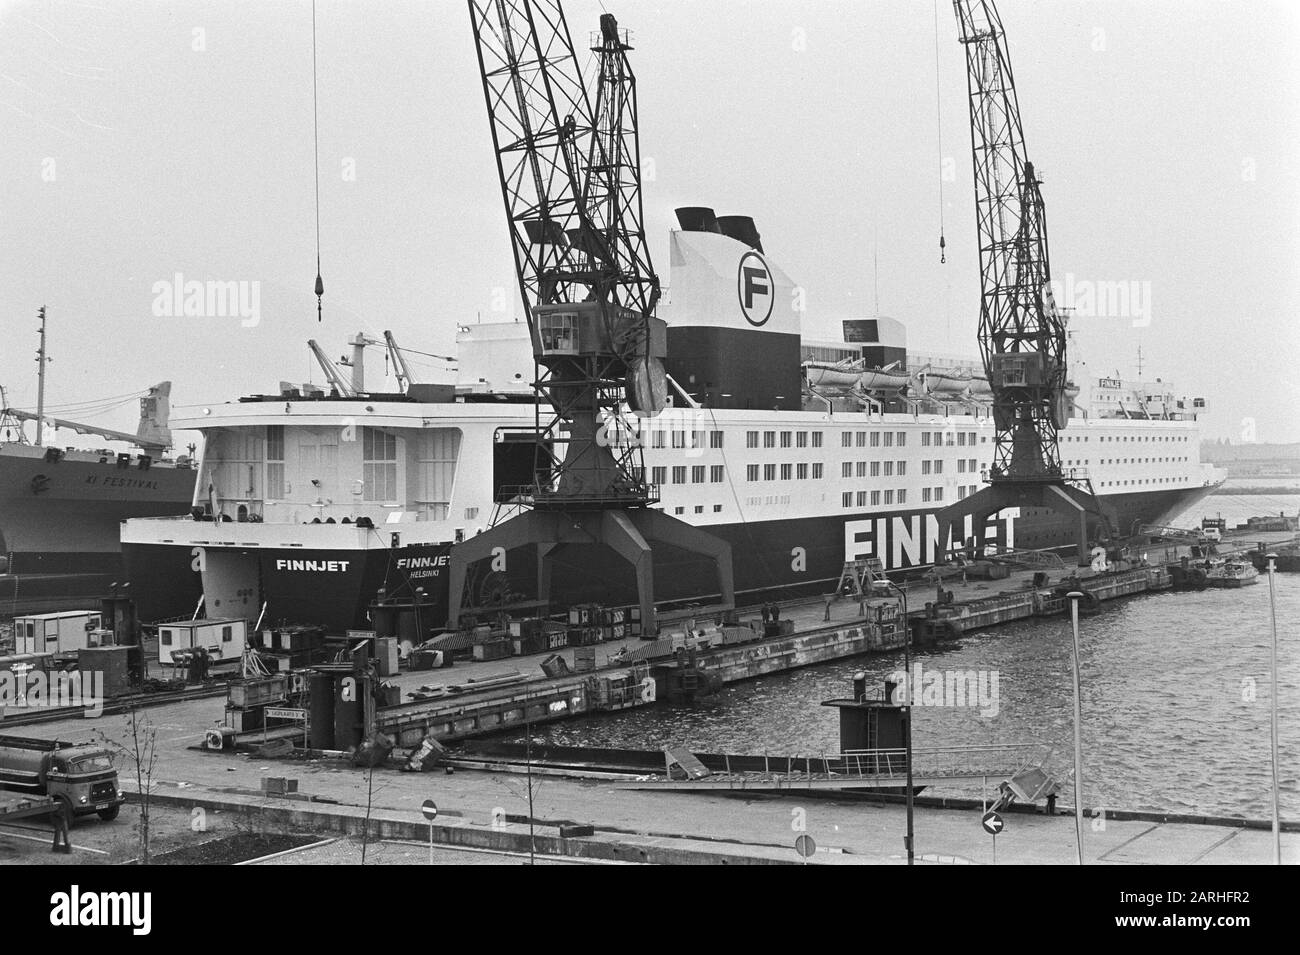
1176,695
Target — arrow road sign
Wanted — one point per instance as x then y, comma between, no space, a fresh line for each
992,823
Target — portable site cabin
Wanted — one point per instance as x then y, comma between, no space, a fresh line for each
65,632
223,639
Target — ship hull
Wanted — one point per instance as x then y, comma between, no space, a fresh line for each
772,559
60,521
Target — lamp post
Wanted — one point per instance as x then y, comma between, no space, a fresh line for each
907,715
1074,597
1272,613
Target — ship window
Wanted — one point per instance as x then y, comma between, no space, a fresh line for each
902,468
925,495
679,439
379,465
679,510
659,475
925,439
938,494
846,469
961,465
769,439
697,474
875,438
715,439
657,438
785,439
817,471
846,439
889,468
275,461
801,439
801,472
716,473
769,472
970,465
437,451
751,439
938,467
786,471
679,474
875,498
951,439
862,498
699,508
875,469
961,493
816,439
717,508
901,439
846,499
938,438
902,495
889,439
925,467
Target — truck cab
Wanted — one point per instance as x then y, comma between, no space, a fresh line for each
80,776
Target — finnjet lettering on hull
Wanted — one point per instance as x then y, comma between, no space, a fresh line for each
319,566
419,568
911,539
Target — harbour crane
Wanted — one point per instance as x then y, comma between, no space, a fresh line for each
1022,334
571,184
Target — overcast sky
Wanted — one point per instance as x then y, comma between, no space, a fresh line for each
141,140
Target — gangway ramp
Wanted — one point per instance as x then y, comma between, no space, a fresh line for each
859,769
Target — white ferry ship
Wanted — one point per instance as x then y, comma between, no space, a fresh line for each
802,454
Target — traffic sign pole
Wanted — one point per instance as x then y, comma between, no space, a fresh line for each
429,809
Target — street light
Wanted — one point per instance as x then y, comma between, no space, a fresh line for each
907,714
1272,612
1075,596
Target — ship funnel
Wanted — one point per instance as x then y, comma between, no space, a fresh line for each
155,408
697,219
742,229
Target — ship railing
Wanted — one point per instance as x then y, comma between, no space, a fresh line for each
944,761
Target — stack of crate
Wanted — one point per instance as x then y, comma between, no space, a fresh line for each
246,701
493,648
584,659
584,636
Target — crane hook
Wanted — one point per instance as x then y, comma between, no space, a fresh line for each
942,246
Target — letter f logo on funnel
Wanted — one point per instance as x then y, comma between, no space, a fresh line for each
754,283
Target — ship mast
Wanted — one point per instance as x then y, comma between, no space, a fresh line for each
41,361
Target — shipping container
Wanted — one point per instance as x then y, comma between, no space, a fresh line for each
223,639
63,632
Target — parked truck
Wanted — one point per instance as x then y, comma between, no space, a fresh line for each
80,777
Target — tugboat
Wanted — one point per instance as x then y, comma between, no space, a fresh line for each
1232,572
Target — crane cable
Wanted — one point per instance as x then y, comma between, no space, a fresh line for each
315,124
938,109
